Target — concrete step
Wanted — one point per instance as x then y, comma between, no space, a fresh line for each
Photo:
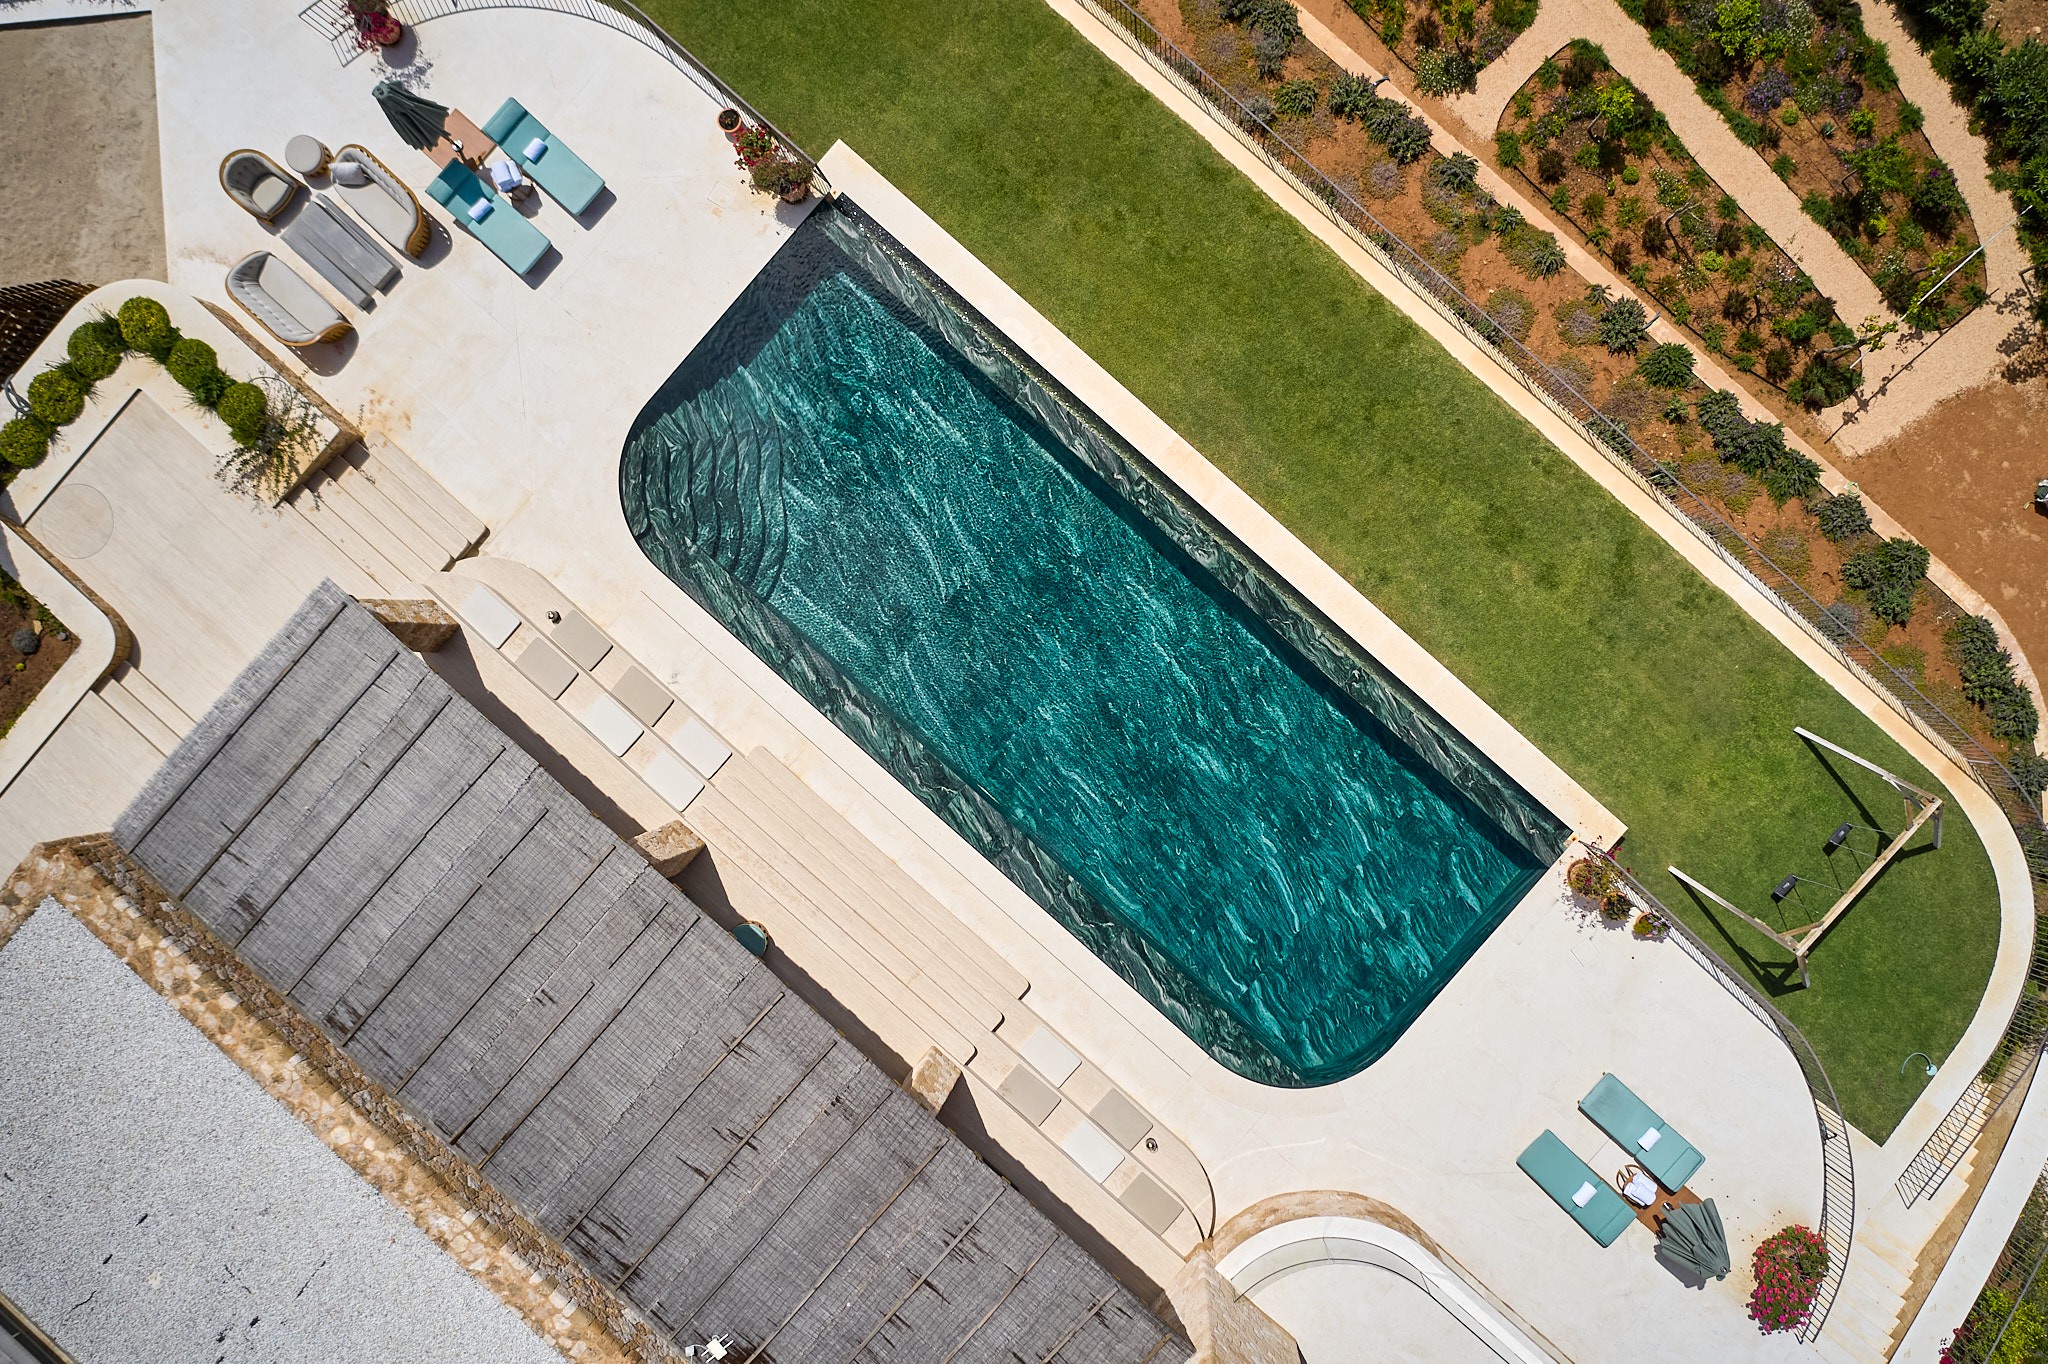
756,876
1856,1334
899,909
139,715
1842,1347
392,500
1879,1267
311,504
160,705
345,494
453,525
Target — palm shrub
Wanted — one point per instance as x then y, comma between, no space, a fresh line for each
24,441
1668,366
56,397
243,408
1296,99
96,347
1623,326
1843,517
1988,681
1458,172
1888,574
146,326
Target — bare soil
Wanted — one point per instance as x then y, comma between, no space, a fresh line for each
2019,19
21,678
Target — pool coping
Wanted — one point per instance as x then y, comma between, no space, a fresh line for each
1232,509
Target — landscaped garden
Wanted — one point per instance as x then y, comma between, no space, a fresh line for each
1446,43
1816,96
1404,472
36,645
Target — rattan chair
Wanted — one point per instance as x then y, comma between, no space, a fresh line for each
257,183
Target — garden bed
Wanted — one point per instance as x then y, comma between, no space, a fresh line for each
24,676
1817,98
1446,43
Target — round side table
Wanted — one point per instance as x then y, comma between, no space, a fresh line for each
307,155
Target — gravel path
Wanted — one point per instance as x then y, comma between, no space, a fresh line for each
156,1205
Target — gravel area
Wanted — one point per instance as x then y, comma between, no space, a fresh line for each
156,1204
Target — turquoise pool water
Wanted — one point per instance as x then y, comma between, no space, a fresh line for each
1260,830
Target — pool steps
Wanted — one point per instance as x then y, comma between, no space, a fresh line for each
386,514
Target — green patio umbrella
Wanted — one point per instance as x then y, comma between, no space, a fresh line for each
1694,1242
421,122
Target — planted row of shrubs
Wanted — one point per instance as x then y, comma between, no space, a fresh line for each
1988,680
1757,448
95,349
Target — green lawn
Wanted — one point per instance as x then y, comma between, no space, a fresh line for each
1481,539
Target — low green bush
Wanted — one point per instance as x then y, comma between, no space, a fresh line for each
1668,366
1843,518
2030,770
96,347
1351,97
1791,475
197,370
146,326
1296,99
1623,326
56,397
1458,172
1889,574
243,408
1988,680
24,441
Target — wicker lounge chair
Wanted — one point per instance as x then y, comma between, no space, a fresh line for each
278,296
257,183
510,237
1604,1214
1615,1110
559,171
386,204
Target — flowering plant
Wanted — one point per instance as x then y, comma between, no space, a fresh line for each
1789,1266
1650,924
755,145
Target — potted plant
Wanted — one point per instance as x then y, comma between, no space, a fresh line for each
729,123
1650,926
375,24
782,176
755,145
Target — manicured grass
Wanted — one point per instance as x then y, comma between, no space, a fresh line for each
1404,472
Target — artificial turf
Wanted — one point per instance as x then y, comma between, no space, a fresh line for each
1405,473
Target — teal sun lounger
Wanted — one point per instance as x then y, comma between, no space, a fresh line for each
1614,1108
511,238
1566,1178
559,171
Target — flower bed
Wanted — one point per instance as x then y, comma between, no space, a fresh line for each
1789,1267
1587,140
1446,43
26,674
1803,84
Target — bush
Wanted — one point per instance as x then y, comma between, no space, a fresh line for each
1444,70
1789,1266
1824,383
1296,99
1408,140
1270,50
1936,200
1550,166
1351,97
1507,148
24,441
55,397
146,327
243,408
1888,573
1512,312
96,348
1623,326
1668,366
197,370
1791,475
1988,681
2030,770
1843,518
1458,172
1545,257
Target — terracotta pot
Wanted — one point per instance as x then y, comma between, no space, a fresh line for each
385,31
731,124
796,194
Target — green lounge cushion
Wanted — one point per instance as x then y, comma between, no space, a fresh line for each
558,170
1615,1109
510,237
1563,1176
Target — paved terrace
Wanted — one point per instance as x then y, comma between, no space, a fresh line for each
516,395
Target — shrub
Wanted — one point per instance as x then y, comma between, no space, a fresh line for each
1296,99
1988,680
1889,574
56,397
1824,383
96,348
1578,319
1270,50
1623,326
1936,200
1590,877
197,370
1545,257
1788,1266
1778,364
1668,366
1845,620
1550,165
243,408
1507,148
146,327
2030,771
1382,180
1351,96
1911,118
1458,172
1791,475
1443,70
24,441
1843,517
1408,140
1512,312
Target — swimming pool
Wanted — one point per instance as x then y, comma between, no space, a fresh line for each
1231,805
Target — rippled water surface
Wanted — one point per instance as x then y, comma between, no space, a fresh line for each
1263,858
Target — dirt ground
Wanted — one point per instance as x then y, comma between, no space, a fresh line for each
79,174
1962,480
2017,19
21,678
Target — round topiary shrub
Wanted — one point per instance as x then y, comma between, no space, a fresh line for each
56,397
146,327
96,347
24,441
197,369
243,408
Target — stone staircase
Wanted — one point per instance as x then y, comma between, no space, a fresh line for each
145,708
1866,1323
386,514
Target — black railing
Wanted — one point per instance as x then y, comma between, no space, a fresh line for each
28,314
2014,1286
1837,1163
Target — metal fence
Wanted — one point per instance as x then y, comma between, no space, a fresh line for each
28,314
1838,1169
2015,1288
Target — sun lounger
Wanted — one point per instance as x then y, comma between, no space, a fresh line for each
559,171
1567,1179
510,237
1615,1109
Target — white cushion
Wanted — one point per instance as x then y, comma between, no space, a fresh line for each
1641,1190
1583,1196
1649,1139
481,209
288,290
350,173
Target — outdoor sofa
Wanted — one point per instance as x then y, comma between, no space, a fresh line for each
510,237
1615,1110
1558,1172
556,169
280,298
383,201
257,183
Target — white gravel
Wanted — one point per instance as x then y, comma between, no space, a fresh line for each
156,1205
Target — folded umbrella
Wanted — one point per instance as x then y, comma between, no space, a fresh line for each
1694,1241
416,119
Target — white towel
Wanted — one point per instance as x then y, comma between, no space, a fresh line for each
504,175
535,148
1583,1196
480,210
1641,1190
1649,1139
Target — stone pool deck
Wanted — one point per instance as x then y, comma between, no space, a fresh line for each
515,396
